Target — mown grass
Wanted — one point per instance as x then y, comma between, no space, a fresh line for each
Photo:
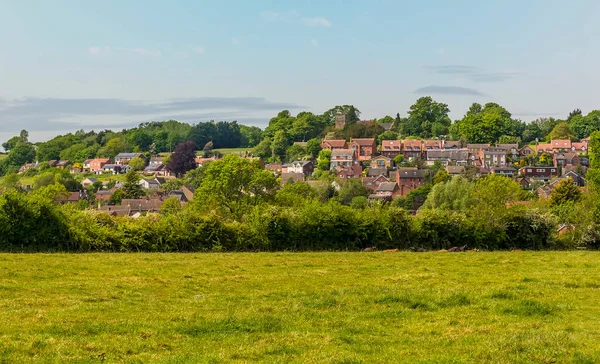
305,307
226,151
3,155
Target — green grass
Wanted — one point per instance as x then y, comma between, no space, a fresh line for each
3,155
225,151
537,307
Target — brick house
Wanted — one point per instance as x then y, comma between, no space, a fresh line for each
432,145
391,148
409,179
381,162
334,144
561,159
504,171
560,145
354,171
411,149
451,144
97,164
492,157
447,157
365,148
543,173
526,151
124,158
373,182
579,147
342,158
386,191
512,150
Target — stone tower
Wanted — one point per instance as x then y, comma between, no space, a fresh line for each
340,120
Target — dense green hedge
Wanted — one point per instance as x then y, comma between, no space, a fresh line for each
30,224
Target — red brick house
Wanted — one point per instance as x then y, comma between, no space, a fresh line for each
97,165
566,159
391,148
354,171
432,144
412,148
386,191
526,151
544,173
334,144
373,182
365,148
409,179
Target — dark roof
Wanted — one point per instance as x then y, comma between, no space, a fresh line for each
455,154
411,172
374,172
387,186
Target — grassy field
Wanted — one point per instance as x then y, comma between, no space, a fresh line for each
527,307
3,155
225,151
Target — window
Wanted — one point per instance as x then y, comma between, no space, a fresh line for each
529,170
380,163
386,148
553,170
540,170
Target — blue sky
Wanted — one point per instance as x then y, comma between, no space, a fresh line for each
111,64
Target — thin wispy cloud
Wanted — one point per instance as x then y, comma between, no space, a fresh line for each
95,50
452,69
317,22
314,43
473,73
272,16
449,90
199,50
146,52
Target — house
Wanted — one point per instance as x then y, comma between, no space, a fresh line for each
504,171
365,148
124,158
524,182
97,165
474,148
560,145
373,182
114,169
292,176
381,162
544,148
88,181
374,172
577,177
149,183
131,206
511,150
334,144
386,191
156,160
432,145
544,191
447,157
543,173
342,158
354,171
579,147
562,159
52,163
104,195
274,168
455,170
526,151
304,167
411,149
61,164
86,164
200,160
451,144
409,179
70,197
156,170
27,166
391,148
75,170
492,157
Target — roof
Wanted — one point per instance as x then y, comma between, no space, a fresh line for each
433,143
128,155
451,143
91,179
374,172
543,147
391,144
478,146
342,152
100,160
411,172
456,154
561,143
296,177
363,142
273,167
302,163
335,143
455,169
386,126
382,157
507,146
579,145
387,186
142,204
413,144
507,168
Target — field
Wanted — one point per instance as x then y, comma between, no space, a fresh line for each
305,307
3,155
225,151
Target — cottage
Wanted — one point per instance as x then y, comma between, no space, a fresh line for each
88,181
391,148
354,171
365,148
473,148
304,167
97,165
334,144
562,159
526,151
150,183
504,171
447,157
560,145
579,147
374,172
409,179
343,158
124,158
386,191
524,182
381,162
511,150
373,182
455,170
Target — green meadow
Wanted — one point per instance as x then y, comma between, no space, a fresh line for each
501,307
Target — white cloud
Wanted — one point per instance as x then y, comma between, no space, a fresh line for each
95,50
146,52
271,15
317,22
199,50
314,43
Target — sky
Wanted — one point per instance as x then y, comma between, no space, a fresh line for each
69,65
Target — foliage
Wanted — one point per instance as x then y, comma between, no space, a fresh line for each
561,131
399,159
183,159
351,188
486,124
427,118
137,164
131,187
324,160
565,191
452,195
441,176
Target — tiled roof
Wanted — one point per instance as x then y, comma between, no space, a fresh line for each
365,142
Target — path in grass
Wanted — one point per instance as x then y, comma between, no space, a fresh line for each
305,307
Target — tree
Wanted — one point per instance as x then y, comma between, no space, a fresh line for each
250,136
113,147
352,114
351,188
387,135
441,177
564,191
20,154
10,143
454,195
208,149
574,113
399,159
584,126
561,131
183,159
426,118
486,124
279,144
324,159
234,184
295,152
263,149
137,163
171,206
359,202
313,147
386,120
116,197
131,187
11,181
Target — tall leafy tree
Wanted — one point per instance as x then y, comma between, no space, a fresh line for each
565,191
486,124
427,118
561,131
183,159
131,187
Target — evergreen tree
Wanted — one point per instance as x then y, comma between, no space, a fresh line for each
131,188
